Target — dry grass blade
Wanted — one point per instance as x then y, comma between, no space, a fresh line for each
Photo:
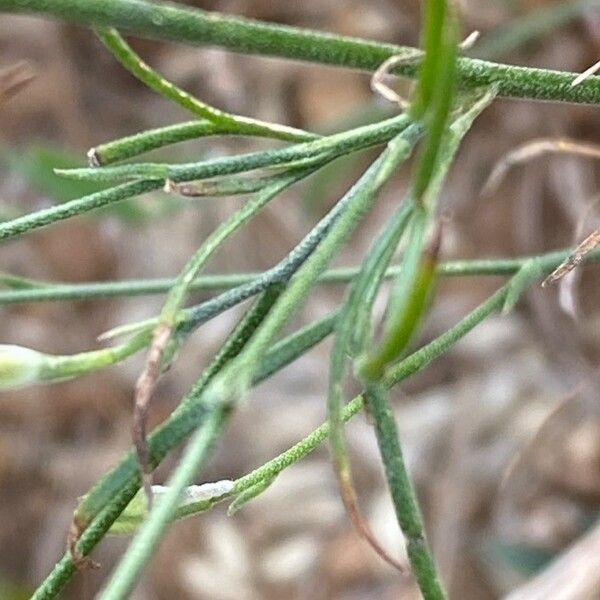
14,78
567,292
574,259
534,149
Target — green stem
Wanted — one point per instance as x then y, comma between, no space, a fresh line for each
165,343
122,483
351,328
189,25
432,38
404,306
399,372
111,38
151,139
43,291
137,555
179,291
224,186
403,496
67,366
45,217
109,497
194,407
306,153
436,86
234,381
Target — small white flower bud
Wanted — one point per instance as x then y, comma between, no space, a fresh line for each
20,366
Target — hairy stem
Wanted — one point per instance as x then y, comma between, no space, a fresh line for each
193,26
134,64
45,291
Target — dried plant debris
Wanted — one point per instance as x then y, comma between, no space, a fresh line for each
574,259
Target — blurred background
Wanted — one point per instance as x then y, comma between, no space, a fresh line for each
502,434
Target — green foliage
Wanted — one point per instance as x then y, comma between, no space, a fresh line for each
450,93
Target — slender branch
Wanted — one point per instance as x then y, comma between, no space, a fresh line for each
45,217
121,484
130,566
142,546
108,498
162,341
151,139
403,496
153,176
279,274
399,372
352,324
239,374
233,383
305,154
44,291
111,38
189,25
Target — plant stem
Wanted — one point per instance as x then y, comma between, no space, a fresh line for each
151,139
125,575
397,373
435,89
403,496
302,154
111,38
352,326
164,343
48,291
137,555
42,218
180,421
109,497
190,25
233,382
121,484
178,293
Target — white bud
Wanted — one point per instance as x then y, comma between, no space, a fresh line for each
20,366
208,491
199,493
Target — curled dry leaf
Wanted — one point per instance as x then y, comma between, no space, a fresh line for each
378,84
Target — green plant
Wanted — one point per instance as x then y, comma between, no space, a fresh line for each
450,93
